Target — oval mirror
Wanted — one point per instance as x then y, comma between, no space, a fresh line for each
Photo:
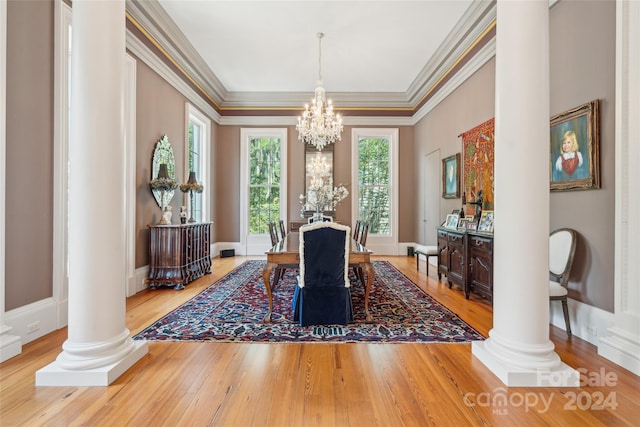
163,154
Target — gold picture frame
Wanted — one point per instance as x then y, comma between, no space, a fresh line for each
575,149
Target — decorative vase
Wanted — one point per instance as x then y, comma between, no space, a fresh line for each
317,216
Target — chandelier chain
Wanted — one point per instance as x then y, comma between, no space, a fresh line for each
320,36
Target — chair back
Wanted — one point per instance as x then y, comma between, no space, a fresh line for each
364,232
562,248
324,255
283,230
356,230
273,233
325,218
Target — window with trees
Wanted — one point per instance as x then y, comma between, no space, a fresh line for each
263,183
375,154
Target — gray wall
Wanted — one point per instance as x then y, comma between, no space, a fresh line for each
29,172
582,60
582,45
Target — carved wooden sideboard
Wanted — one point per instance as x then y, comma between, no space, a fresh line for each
178,254
466,258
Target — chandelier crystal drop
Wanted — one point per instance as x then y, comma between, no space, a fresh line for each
319,125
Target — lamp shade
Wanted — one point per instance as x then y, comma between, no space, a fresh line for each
192,178
163,172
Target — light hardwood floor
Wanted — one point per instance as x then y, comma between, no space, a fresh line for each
228,384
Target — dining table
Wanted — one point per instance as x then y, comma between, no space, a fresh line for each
286,252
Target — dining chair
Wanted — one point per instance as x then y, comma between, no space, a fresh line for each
273,233
356,230
562,247
364,232
322,295
283,230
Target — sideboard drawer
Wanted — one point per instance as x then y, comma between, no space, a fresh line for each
482,243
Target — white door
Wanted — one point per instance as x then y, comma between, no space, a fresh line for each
431,198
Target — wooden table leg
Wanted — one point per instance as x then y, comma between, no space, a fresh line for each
369,282
266,275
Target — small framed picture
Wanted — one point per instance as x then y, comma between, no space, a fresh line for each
471,218
471,226
462,223
451,177
452,221
486,222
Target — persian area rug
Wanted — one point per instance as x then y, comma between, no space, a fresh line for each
233,309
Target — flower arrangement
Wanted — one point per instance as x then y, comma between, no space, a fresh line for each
322,197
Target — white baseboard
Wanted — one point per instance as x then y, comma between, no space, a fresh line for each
10,345
37,319
139,281
217,247
587,322
621,347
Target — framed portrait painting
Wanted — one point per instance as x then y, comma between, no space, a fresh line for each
451,177
575,147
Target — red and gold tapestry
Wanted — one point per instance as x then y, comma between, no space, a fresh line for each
478,157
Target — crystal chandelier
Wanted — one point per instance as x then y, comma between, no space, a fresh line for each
318,125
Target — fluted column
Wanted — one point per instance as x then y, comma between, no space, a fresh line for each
98,348
518,349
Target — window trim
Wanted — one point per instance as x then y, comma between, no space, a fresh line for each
258,244
383,245
192,114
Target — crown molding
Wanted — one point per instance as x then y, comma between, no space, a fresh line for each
480,17
155,24
142,52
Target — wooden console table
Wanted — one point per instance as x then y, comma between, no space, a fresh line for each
466,258
178,253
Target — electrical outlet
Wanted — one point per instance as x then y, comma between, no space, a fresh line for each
592,330
32,327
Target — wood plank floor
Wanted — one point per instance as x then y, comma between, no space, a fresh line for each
228,384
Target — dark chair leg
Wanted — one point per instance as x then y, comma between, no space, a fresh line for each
277,275
418,262
565,310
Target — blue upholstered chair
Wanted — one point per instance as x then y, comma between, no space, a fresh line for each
322,296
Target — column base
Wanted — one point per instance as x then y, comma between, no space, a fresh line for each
54,375
622,348
513,376
10,346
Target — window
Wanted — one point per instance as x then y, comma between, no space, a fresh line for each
263,182
198,131
374,185
375,181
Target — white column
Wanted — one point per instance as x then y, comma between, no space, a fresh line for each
622,345
98,349
10,345
518,349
